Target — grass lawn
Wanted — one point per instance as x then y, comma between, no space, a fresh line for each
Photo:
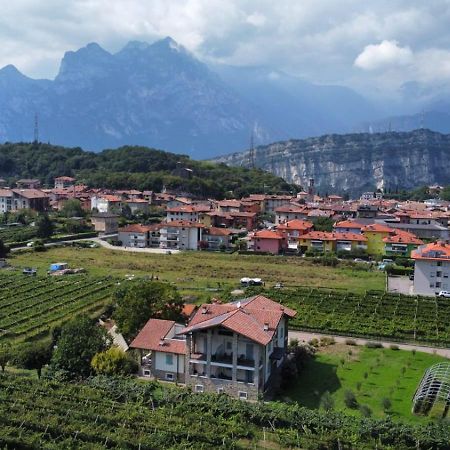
392,374
199,270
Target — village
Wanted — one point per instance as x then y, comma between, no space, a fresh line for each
370,229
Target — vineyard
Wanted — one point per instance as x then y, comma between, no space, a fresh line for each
375,314
30,306
112,413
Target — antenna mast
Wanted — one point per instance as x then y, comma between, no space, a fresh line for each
36,128
252,151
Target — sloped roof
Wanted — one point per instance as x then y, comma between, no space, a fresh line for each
348,224
376,228
155,331
435,251
295,224
267,234
246,317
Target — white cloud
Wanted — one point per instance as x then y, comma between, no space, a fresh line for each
317,40
387,54
256,19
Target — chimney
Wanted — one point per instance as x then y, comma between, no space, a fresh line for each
161,342
204,310
266,326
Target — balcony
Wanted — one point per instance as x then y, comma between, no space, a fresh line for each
222,360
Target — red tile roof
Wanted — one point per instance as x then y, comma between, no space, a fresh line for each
155,330
267,234
295,224
376,228
215,231
402,237
348,224
30,193
246,317
137,228
331,236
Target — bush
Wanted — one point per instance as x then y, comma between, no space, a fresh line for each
350,342
114,361
327,401
326,341
386,403
374,345
394,347
350,399
365,411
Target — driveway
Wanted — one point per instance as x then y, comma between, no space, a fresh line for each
400,285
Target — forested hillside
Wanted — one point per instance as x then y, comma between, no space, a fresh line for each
134,167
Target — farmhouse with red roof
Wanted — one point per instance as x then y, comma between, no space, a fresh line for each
237,348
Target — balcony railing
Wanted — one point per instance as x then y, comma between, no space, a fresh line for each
222,359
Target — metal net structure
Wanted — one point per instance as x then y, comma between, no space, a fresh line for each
432,397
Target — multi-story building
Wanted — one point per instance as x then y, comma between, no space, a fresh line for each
236,348
294,229
106,203
325,242
268,241
375,234
401,243
181,235
287,213
105,223
64,182
140,236
28,183
17,199
431,268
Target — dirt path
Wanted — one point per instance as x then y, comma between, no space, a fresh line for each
306,336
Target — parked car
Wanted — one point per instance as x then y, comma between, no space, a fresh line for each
29,271
445,294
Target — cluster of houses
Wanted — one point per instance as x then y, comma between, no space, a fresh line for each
236,348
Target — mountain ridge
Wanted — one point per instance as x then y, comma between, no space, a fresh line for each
353,163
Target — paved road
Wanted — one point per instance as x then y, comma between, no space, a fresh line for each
306,336
104,244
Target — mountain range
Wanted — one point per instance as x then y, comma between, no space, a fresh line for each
161,96
353,163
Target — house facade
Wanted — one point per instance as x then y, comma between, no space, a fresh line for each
17,199
236,348
105,223
181,235
325,242
268,241
431,268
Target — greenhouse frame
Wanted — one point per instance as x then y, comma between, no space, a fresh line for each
433,394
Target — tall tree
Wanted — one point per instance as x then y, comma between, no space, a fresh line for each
138,301
72,208
34,356
80,340
45,226
4,249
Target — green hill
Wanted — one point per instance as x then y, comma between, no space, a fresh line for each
134,167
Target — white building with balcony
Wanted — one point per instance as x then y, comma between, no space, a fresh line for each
181,235
236,348
431,268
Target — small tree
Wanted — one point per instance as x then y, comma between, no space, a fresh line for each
72,208
327,401
365,410
5,355
113,361
386,404
44,226
34,356
4,250
350,399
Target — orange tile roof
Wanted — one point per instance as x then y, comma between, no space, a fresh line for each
402,237
137,228
295,224
348,224
267,234
291,208
331,236
246,317
30,193
215,231
377,228
435,251
155,330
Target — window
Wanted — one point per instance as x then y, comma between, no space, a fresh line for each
439,274
229,345
199,388
438,284
445,274
431,285
439,263
169,359
169,376
146,373
431,274
242,395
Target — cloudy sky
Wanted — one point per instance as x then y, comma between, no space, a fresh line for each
376,45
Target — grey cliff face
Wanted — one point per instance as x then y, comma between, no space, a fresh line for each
356,162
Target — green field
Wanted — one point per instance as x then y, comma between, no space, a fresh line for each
200,270
374,314
117,413
392,374
31,306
